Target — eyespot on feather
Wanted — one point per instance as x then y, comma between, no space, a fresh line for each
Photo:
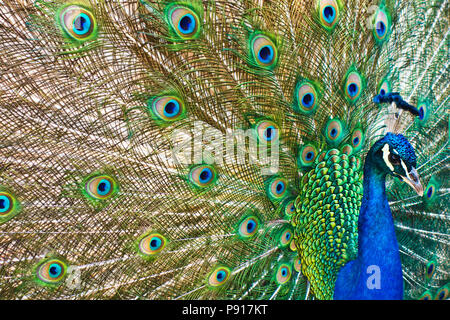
354,85
203,176
381,25
286,237
430,193
184,22
426,296
424,112
306,97
297,264
277,188
283,274
51,271
334,131
78,23
357,140
289,208
430,270
263,51
267,132
167,108
442,293
9,206
307,155
101,187
248,227
329,11
152,244
219,276
384,87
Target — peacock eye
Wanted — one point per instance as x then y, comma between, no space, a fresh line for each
384,88
394,159
357,140
9,206
334,131
277,188
297,264
286,237
6,203
442,293
307,155
289,209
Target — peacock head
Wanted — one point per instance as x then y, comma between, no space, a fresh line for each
394,155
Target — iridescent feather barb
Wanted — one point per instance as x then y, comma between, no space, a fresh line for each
113,183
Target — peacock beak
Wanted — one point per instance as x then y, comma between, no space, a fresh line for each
413,180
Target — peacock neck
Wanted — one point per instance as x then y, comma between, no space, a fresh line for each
376,234
376,273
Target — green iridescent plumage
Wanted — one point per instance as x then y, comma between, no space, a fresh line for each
327,218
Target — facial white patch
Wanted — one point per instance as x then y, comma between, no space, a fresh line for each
405,168
386,154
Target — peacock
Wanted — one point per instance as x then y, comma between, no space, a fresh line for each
242,149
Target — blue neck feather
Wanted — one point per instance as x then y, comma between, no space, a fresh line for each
378,253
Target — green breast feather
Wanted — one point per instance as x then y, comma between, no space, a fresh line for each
326,221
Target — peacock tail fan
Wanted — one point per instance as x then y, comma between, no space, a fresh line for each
213,149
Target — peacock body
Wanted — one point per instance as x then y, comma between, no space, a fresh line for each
224,149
